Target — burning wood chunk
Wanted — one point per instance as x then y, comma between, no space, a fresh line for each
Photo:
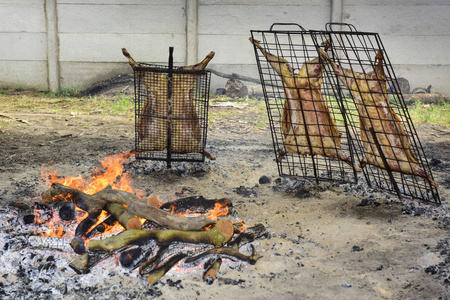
78,242
109,222
31,214
121,214
196,204
185,132
217,236
162,269
380,126
308,127
136,206
229,252
212,267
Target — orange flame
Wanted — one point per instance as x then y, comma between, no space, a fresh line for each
110,173
218,211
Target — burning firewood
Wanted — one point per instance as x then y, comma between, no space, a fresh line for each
173,239
31,214
102,227
217,236
162,269
136,206
229,252
124,218
195,204
212,267
101,249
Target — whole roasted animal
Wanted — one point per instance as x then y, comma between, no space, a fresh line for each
152,121
306,122
376,116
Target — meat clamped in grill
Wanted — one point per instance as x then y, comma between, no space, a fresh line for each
310,136
171,110
328,103
389,149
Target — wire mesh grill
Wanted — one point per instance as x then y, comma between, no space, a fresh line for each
309,131
171,113
307,75
388,144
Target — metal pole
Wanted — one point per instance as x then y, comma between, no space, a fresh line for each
169,108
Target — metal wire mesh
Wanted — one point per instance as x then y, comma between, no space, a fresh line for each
388,144
171,113
317,83
308,127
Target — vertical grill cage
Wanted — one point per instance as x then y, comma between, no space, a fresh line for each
362,94
171,113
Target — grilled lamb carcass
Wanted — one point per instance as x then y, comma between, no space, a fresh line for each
306,123
152,121
375,113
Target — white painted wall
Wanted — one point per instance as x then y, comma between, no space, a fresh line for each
85,46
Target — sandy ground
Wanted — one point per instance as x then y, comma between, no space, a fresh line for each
323,244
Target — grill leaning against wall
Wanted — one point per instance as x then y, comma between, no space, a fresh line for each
171,111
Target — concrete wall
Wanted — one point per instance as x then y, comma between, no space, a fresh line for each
51,44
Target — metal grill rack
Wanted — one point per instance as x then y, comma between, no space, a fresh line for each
387,141
304,113
171,112
363,97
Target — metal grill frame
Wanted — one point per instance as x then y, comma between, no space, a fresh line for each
356,51
297,47
167,117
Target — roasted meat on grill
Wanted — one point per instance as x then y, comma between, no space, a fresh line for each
153,119
375,113
306,122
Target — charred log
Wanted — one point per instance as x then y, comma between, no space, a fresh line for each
78,242
83,263
229,252
66,210
195,204
248,236
212,267
149,266
162,269
26,213
136,256
103,226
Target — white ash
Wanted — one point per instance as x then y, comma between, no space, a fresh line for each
27,272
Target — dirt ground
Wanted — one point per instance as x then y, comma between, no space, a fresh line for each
323,244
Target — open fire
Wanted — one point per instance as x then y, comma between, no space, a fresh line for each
103,216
